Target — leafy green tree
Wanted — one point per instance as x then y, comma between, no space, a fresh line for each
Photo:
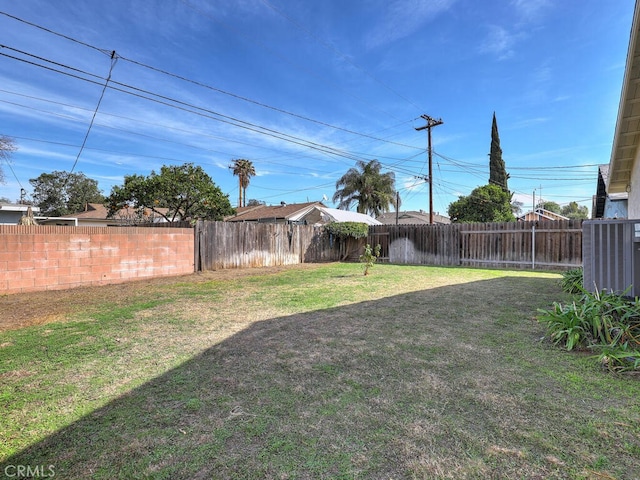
62,193
488,203
7,147
182,192
550,206
373,192
497,171
575,211
244,170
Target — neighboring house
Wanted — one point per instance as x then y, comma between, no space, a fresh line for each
310,213
322,215
624,166
95,215
541,215
411,218
11,213
605,205
283,213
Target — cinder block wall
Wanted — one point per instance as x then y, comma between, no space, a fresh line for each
36,258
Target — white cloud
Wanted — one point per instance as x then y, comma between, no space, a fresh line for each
403,17
499,42
530,10
528,122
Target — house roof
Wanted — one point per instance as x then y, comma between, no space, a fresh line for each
16,207
97,211
626,138
92,211
336,215
544,214
411,217
600,198
284,211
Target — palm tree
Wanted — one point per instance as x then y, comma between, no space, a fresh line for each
374,192
244,170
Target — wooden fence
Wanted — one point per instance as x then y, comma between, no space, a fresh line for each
555,244
220,245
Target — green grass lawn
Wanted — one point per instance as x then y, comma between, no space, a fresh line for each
321,372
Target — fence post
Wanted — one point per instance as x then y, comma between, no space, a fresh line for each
197,231
533,247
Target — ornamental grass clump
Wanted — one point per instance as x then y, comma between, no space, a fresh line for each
572,281
606,323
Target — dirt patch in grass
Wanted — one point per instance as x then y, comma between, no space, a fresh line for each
37,308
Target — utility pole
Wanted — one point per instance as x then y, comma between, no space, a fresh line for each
397,206
431,122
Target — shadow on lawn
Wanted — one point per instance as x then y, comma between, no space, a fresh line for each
362,390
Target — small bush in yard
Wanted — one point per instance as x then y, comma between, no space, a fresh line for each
369,257
607,323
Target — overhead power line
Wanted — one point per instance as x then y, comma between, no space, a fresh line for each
190,108
396,165
400,165
53,32
264,105
77,73
114,59
199,84
187,107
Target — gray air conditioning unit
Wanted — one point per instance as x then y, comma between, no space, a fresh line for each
611,256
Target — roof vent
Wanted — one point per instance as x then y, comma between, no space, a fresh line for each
283,204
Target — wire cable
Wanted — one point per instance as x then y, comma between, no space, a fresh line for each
101,50
114,59
200,84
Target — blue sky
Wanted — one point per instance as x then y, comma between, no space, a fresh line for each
303,89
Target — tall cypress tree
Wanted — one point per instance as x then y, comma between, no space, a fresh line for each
497,171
